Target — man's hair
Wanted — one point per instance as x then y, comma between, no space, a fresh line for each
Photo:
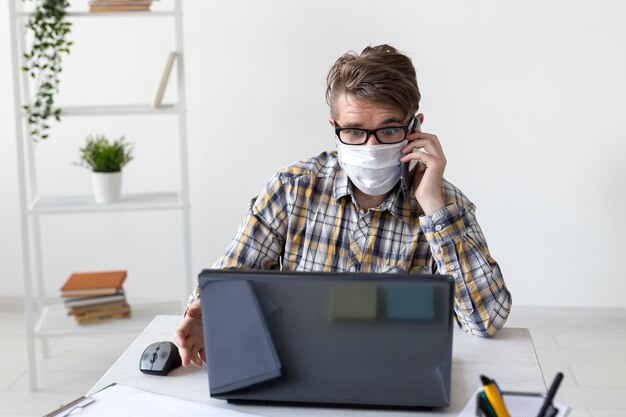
380,74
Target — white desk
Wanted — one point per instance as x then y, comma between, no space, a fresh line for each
509,357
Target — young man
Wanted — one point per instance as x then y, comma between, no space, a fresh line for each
348,211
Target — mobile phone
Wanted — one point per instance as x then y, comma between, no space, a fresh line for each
408,166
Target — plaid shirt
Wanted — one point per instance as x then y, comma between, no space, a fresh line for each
306,219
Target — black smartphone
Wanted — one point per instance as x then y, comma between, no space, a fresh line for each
408,166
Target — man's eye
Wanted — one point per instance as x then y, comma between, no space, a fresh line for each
355,132
391,132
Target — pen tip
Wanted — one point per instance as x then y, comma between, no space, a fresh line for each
485,380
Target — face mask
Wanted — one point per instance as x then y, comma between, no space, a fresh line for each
375,170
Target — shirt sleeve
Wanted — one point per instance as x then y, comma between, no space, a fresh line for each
259,241
482,301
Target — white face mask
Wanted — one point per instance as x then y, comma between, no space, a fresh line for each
375,170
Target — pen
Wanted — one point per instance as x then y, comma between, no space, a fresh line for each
485,406
493,396
68,408
551,393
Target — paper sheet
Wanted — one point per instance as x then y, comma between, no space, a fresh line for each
517,405
124,401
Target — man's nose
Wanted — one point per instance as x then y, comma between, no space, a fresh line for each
371,140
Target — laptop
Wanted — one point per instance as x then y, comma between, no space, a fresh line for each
330,339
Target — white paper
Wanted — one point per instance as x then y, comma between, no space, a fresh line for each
124,401
517,405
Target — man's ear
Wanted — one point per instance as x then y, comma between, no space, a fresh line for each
420,118
331,121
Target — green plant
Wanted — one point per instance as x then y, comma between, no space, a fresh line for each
100,155
50,28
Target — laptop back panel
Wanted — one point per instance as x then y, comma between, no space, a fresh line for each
325,338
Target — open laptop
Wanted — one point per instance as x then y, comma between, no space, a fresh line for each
382,340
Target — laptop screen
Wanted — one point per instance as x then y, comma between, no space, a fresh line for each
328,338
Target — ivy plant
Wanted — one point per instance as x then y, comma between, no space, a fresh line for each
50,29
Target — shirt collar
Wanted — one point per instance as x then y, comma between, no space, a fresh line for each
343,186
400,206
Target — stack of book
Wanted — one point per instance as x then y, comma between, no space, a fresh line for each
107,6
95,296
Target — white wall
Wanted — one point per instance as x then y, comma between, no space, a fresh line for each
526,98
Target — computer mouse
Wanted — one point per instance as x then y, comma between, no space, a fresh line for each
159,358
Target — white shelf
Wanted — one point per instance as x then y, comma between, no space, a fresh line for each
54,320
87,204
157,13
116,110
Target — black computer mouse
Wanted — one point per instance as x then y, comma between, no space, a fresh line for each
159,358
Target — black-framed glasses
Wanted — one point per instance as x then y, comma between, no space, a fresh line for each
357,136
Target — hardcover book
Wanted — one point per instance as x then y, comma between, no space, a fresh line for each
93,283
94,300
169,64
99,310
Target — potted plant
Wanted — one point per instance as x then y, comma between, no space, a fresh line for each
106,159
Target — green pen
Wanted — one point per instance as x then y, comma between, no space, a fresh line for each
487,405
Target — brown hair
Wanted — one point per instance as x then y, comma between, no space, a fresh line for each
380,74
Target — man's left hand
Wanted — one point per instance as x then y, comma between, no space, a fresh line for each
428,173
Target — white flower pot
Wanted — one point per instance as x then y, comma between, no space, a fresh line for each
107,186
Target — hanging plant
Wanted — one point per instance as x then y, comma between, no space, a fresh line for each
50,28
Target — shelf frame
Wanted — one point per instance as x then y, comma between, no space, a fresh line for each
32,205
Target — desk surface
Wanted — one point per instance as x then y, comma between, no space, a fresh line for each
509,357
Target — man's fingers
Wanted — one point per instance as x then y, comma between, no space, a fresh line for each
190,353
420,135
194,311
198,362
188,336
196,357
180,335
417,156
426,144
185,356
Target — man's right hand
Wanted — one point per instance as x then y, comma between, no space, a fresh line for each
189,337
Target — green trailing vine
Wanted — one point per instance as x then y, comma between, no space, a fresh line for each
50,28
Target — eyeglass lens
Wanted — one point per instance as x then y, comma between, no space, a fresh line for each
360,136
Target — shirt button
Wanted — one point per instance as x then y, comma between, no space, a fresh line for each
452,267
353,269
455,275
438,228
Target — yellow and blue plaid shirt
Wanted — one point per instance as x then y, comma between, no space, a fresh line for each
306,219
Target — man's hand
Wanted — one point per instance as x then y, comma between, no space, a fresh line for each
189,337
428,173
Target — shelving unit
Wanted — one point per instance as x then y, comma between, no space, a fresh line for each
45,321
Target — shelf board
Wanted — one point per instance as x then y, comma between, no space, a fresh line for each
54,320
87,204
157,13
117,110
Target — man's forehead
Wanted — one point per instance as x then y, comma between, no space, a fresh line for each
352,108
